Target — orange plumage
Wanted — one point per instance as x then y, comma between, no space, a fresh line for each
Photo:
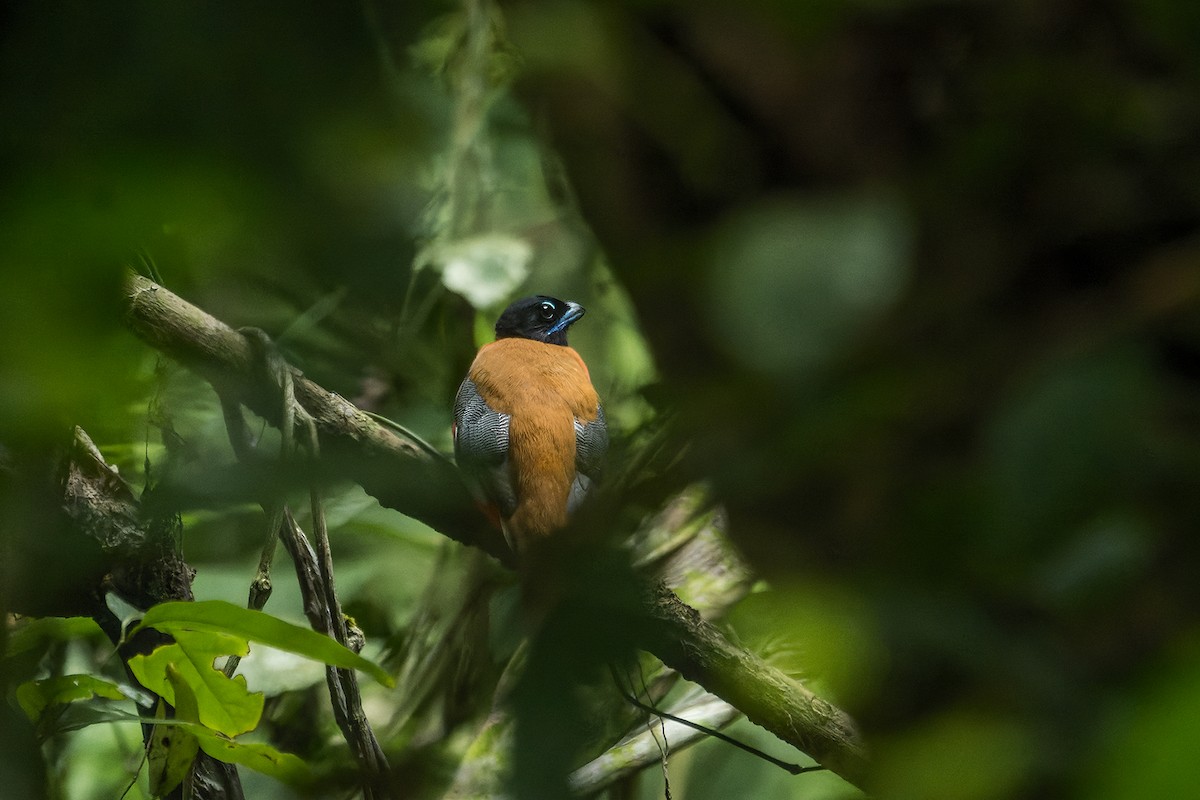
529,429
544,388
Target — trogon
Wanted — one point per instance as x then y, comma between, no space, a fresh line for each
529,430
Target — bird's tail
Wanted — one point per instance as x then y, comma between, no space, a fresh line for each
543,460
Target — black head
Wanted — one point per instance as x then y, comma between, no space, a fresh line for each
541,318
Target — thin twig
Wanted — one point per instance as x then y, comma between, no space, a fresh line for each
317,583
343,688
630,698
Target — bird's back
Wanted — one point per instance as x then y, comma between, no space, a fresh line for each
544,388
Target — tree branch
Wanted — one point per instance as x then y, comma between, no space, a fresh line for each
403,476
768,697
147,568
399,473
344,693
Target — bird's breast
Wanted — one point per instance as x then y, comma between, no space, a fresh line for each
523,377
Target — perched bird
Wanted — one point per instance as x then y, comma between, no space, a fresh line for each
529,430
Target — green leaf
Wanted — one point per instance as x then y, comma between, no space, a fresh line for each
260,757
223,704
38,632
35,696
257,756
78,716
187,707
170,754
222,617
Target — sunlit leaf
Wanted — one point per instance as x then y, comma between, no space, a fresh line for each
256,626
187,706
223,704
257,756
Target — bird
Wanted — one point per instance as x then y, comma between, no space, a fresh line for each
529,429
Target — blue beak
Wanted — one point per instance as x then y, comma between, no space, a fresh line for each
574,312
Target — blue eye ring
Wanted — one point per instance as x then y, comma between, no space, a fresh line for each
546,309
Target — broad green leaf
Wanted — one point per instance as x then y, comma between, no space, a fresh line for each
260,757
50,629
170,754
187,707
223,704
35,696
257,756
220,616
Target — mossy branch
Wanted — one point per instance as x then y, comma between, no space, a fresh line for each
398,472
768,697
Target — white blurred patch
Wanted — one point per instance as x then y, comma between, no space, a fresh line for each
485,269
274,672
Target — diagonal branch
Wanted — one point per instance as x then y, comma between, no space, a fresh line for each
403,476
399,473
768,697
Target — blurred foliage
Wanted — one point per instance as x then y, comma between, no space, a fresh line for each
917,281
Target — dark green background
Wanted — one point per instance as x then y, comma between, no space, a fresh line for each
918,280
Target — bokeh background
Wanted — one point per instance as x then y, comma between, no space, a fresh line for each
916,282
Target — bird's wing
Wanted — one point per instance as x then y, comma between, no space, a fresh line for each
591,443
481,448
